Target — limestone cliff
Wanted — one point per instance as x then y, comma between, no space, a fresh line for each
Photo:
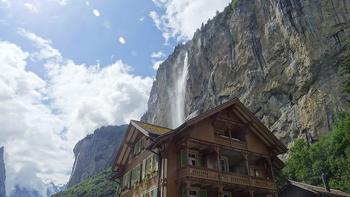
95,152
279,57
2,173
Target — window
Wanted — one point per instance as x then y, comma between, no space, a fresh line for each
224,166
126,181
223,133
194,192
153,192
193,158
136,175
151,165
258,173
227,194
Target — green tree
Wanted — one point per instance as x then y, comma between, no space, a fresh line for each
97,186
330,155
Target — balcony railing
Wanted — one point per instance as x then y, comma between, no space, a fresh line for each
267,184
227,178
201,173
235,179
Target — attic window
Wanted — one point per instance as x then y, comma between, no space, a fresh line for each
222,133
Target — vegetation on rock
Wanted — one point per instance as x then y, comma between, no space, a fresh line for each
97,186
234,3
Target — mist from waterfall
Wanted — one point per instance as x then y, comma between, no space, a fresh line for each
178,95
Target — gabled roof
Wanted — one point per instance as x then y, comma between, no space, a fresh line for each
150,130
316,189
246,117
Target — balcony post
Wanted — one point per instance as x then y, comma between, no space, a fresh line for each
271,168
188,187
246,156
220,191
251,193
220,188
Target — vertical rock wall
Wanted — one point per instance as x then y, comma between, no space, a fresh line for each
96,152
279,57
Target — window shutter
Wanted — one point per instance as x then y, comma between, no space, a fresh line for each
183,192
203,193
183,158
155,162
143,169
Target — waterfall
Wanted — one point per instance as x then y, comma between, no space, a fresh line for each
178,95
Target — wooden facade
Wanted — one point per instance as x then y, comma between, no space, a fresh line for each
224,152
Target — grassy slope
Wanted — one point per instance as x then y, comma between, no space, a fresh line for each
96,186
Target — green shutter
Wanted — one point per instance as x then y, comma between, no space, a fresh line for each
200,160
143,169
203,193
183,159
183,192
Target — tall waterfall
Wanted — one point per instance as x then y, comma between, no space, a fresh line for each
178,95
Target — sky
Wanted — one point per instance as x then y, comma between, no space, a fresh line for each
68,67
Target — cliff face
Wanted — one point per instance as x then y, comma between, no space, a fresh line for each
2,173
96,152
279,57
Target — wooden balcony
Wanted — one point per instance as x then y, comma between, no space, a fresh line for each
235,179
262,183
199,173
226,178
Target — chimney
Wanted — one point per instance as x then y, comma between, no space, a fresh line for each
325,182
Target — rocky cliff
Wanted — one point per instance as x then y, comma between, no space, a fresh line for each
95,152
279,57
2,173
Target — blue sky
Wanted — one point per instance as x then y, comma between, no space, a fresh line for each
69,67
86,38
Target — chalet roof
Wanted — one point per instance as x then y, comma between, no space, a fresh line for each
150,128
244,114
317,190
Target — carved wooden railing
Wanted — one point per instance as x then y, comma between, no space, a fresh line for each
235,179
201,173
262,183
227,178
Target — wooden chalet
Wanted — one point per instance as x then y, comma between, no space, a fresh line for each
224,152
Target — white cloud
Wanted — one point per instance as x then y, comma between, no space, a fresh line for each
31,7
156,64
158,54
46,51
74,98
157,58
142,19
181,18
121,40
96,12
29,128
61,2
87,3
